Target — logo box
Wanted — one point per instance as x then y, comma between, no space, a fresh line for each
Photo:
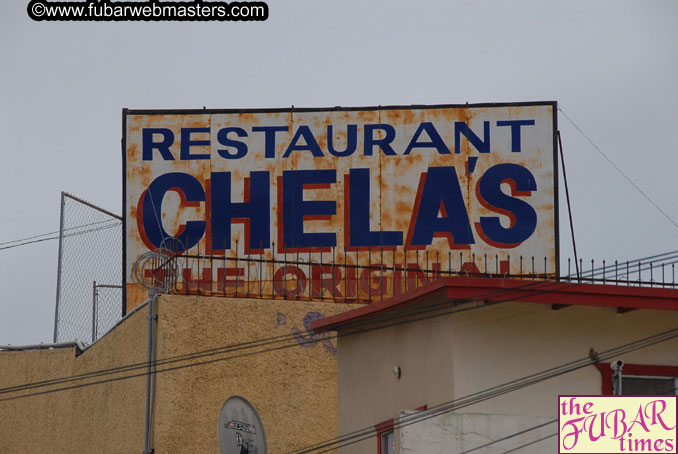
616,424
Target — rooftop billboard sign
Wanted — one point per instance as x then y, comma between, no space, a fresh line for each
477,180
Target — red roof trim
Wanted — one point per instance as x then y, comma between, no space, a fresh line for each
374,309
529,291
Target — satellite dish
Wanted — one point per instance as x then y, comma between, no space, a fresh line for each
240,428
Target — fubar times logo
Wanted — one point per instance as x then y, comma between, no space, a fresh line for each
616,424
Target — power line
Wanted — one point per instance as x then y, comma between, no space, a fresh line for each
656,258
282,338
189,357
489,393
118,223
508,437
29,242
446,407
57,231
277,339
619,170
530,443
516,292
513,435
640,391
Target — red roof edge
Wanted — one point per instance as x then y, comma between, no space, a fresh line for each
373,309
500,289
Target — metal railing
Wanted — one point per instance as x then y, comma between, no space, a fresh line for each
656,271
370,276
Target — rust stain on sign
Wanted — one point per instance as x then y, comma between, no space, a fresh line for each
477,180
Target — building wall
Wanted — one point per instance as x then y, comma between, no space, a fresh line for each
369,391
103,418
452,356
461,432
293,389
513,340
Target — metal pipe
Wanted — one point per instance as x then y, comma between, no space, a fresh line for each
617,377
94,311
569,207
85,202
150,371
58,289
44,346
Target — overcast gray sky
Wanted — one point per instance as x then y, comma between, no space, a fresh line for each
611,65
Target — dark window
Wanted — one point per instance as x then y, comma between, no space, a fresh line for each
637,386
386,434
385,437
641,379
388,443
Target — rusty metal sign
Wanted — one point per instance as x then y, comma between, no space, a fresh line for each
390,183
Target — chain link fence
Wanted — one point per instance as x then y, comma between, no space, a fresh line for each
89,276
106,307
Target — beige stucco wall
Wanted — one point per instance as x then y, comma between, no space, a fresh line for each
510,341
294,389
102,418
461,432
369,391
451,356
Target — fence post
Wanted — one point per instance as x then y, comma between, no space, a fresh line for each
58,289
82,259
94,311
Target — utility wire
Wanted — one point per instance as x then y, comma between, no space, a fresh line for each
646,267
484,395
530,288
664,256
619,170
426,310
539,426
279,339
118,223
489,393
212,352
636,267
57,231
29,242
530,443
276,339
640,391
648,342
508,437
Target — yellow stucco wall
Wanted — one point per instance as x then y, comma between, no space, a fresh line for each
294,389
101,418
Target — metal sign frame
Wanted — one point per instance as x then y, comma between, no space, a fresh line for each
149,112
